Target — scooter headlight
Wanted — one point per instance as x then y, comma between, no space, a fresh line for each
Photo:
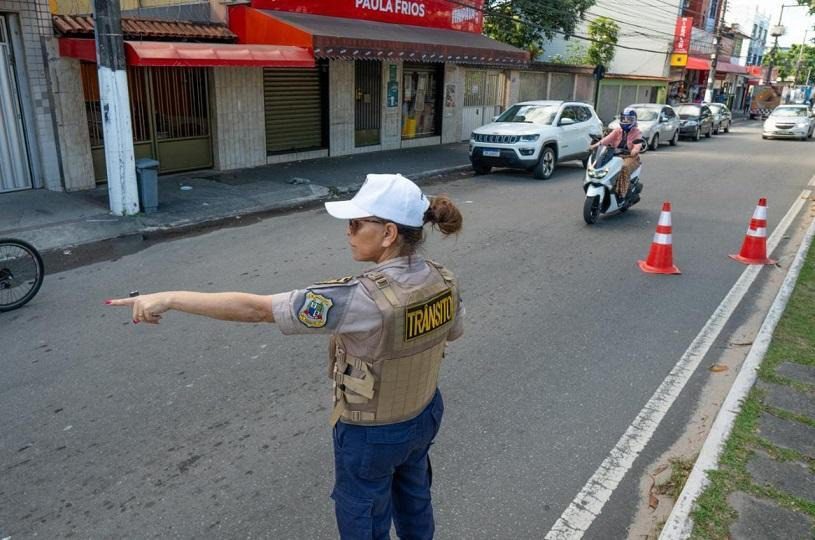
598,173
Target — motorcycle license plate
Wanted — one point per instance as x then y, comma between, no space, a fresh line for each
488,152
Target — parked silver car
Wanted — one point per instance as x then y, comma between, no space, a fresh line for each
722,118
658,123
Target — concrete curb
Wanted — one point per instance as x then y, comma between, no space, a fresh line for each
680,525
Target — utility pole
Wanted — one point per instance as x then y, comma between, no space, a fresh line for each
800,58
714,58
115,104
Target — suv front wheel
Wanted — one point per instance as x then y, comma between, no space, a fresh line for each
481,168
546,164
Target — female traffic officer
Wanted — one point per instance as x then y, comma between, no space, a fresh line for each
389,328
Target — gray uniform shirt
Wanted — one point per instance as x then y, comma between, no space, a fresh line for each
347,308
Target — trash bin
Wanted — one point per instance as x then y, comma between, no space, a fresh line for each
147,179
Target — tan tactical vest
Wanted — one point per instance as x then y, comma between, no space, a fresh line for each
396,381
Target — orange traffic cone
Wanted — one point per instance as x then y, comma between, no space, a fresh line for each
660,258
754,248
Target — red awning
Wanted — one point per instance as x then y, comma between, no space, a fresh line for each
179,54
703,64
336,37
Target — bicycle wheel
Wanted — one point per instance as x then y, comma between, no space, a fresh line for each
21,273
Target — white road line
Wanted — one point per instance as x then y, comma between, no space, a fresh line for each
812,181
679,525
589,502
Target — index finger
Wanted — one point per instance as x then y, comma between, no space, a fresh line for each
121,301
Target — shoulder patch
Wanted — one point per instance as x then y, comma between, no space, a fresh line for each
314,312
338,281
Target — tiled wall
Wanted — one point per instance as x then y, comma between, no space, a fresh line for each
36,35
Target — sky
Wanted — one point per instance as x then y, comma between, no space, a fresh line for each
796,20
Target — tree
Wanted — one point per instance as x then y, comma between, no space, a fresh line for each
604,34
787,60
524,23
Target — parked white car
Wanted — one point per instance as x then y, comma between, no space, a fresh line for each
658,123
789,122
535,135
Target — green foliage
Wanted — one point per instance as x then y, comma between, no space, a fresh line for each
604,32
509,20
786,62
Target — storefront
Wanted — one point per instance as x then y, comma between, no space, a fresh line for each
169,84
395,76
730,78
421,100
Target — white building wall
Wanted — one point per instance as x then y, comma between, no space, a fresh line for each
341,107
654,30
453,104
239,130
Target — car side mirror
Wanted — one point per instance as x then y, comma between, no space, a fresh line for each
566,122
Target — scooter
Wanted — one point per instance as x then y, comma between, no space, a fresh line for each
604,165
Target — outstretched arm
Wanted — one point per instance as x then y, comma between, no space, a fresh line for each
226,306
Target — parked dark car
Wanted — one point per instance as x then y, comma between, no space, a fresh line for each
695,120
722,118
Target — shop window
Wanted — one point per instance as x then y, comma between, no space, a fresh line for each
421,101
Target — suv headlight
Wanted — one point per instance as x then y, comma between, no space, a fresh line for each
530,138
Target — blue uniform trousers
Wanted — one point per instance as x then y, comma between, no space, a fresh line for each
383,473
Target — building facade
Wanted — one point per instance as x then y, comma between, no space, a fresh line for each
640,70
272,81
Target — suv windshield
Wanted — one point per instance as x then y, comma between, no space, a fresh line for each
530,114
647,115
790,111
688,110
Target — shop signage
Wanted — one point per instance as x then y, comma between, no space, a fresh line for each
682,35
464,15
393,93
679,60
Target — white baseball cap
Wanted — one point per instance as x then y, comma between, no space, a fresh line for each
388,196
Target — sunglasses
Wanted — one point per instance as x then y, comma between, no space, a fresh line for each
355,224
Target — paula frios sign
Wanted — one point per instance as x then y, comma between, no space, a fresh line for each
402,7
466,15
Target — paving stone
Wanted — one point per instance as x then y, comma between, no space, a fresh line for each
763,520
789,399
787,434
798,372
789,476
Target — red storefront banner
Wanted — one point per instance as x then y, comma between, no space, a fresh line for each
682,35
431,13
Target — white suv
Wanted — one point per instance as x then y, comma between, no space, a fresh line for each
535,135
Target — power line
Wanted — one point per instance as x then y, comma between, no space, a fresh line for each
540,27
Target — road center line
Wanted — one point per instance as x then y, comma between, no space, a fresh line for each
589,502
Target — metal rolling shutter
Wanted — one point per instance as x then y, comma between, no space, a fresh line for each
293,106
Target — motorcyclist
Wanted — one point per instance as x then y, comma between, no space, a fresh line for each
625,137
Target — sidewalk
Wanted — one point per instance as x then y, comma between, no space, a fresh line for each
54,221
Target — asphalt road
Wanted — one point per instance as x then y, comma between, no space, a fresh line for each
199,428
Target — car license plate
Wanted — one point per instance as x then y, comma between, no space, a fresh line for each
491,153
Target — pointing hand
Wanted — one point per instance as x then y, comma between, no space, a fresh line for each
147,308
